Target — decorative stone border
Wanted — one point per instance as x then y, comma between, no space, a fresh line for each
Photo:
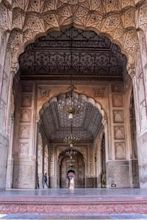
73,206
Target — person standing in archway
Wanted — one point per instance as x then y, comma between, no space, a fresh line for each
71,180
45,185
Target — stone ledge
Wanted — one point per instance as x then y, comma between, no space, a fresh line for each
68,206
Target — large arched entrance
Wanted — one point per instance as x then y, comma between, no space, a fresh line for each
97,68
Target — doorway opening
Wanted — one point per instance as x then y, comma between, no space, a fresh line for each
62,157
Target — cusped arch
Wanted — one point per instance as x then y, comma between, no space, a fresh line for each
62,154
109,19
78,96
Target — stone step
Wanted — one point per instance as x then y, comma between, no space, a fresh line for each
31,216
72,206
80,204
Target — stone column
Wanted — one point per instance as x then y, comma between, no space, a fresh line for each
25,134
52,167
5,87
141,20
9,177
43,165
141,120
40,160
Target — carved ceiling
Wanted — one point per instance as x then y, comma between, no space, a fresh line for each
25,20
73,51
55,123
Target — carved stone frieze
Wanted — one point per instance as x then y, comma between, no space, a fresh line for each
35,17
73,51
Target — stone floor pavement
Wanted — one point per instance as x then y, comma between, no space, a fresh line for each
84,192
49,217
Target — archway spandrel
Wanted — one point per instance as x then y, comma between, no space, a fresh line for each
128,18
110,23
34,23
142,14
50,21
126,3
96,5
22,4
35,6
18,19
91,15
5,17
131,43
49,5
94,19
81,13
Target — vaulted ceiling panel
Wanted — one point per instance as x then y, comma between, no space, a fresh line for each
73,51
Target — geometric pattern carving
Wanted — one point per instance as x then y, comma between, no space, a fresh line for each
31,18
73,51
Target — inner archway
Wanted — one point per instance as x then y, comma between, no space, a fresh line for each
55,126
71,163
